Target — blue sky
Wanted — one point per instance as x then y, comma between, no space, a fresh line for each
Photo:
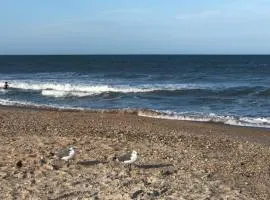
135,27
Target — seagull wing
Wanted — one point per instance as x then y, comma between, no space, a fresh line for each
124,157
62,153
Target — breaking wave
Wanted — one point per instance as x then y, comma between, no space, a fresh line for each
81,90
56,89
7,102
28,104
263,122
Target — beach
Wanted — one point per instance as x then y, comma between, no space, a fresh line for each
178,159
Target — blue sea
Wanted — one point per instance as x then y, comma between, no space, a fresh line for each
232,90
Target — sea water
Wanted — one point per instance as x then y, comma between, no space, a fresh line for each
225,89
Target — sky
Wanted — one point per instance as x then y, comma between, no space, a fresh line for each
135,27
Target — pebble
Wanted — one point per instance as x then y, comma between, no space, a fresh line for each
136,194
19,164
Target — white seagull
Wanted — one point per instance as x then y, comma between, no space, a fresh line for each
66,154
129,158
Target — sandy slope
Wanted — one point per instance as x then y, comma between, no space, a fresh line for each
179,160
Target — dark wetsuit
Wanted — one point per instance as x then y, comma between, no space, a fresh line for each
6,86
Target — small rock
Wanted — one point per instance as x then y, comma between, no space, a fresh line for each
19,164
96,198
156,193
22,175
33,181
164,191
136,194
167,172
152,179
55,167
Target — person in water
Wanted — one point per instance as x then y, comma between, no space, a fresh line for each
6,85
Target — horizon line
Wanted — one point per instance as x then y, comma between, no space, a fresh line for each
150,54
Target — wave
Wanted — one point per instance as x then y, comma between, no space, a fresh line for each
28,104
3,91
80,89
265,92
7,102
57,93
263,122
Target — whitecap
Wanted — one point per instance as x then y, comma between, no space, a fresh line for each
263,122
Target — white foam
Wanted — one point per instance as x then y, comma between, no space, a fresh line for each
7,102
90,87
57,93
263,122
61,89
251,122
3,91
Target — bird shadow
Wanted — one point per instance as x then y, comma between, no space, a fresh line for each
152,166
91,162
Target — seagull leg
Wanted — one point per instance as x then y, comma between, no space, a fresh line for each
128,169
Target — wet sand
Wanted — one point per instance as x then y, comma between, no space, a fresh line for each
178,159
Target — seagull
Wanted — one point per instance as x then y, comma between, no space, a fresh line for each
66,154
129,158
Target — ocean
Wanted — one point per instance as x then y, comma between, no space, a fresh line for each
227,89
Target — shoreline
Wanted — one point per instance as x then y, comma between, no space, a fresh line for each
127,111
237,121
252,134
179,159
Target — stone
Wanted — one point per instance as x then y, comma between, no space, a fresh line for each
167,172
155,193
19,164
136,194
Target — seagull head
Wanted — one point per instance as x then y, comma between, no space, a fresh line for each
134,153
71,148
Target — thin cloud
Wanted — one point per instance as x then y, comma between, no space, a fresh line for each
199,15
127,10
240,9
